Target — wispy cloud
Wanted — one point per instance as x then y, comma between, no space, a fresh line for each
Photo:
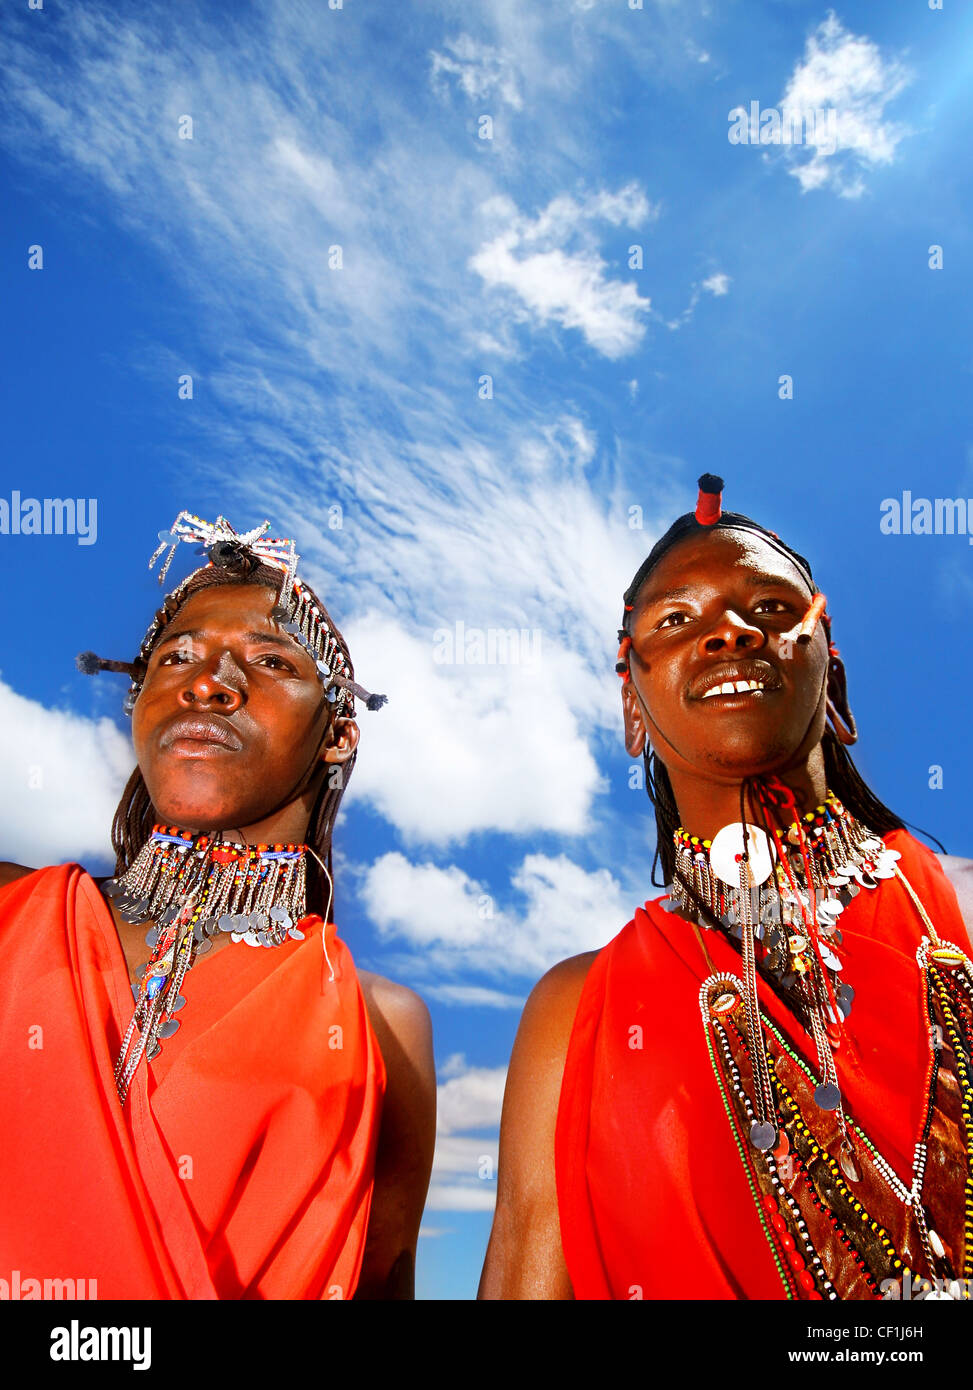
477,69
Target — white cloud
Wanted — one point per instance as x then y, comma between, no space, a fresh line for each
718,284
465,1165
63,777
461,1196
845,74
466,748
480,71
470,1099
453,923
570,287
473,997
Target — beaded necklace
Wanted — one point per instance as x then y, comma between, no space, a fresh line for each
192,888
781,895
839,1221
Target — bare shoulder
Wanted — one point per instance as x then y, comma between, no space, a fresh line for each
395,1011
956,868
549,1012
9,873
960,874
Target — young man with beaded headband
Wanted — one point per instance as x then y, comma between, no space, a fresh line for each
220,1106
760,1088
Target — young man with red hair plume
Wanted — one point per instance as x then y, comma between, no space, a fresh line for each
760,1089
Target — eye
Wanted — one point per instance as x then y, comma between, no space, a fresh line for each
277,663
174,658
667,621
780,605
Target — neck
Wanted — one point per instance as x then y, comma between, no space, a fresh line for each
705,805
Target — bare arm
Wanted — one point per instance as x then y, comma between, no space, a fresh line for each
524,1259
403,1161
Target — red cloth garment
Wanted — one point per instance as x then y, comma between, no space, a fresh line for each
652,1195
241,1166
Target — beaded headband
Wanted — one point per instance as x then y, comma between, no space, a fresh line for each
296,608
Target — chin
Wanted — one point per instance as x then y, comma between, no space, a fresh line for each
748,761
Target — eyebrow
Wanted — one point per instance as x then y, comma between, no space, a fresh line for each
197,632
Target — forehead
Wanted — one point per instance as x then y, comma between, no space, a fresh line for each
716,558
228,606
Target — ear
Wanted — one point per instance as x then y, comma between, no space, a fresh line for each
342,740
635,731
840,716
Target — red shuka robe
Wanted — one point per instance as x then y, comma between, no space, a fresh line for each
241,1165
652,1196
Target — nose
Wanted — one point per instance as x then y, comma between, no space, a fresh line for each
731,633
218,682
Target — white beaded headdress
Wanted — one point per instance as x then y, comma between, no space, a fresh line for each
296,607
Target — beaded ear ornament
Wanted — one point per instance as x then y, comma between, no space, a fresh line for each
295,608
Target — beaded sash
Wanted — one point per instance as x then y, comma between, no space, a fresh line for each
840,1223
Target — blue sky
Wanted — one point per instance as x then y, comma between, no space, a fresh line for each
490,393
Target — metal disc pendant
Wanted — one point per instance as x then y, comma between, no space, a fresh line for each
295,933
763,1135
259,921
827,1096
153,1051
280,914
228,922
178,1003
152,938
135,993
235,935
849,1164
170,914
168,1028
863,877
204,946
728,844
112,888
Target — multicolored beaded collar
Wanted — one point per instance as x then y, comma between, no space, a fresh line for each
193,888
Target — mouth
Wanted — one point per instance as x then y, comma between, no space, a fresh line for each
200,734
745,683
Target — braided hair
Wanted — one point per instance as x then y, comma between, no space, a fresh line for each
135,814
